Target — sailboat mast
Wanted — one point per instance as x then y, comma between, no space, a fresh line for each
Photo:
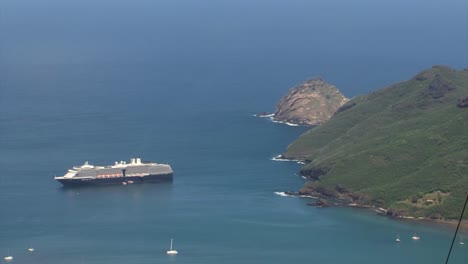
171,244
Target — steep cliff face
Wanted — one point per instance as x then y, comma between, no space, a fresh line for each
310,103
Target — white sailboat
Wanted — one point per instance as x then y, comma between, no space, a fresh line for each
30,249
398,238
415,237
9,257
171,251
461,240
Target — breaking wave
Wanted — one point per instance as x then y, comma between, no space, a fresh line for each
265,115
280,158
282,122
284,194
272,118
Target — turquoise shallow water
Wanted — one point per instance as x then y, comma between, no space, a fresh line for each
178,82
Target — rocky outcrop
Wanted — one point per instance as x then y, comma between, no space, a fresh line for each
439,87
310,103
463,102
314,173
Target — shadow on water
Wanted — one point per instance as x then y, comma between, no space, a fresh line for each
163,185
162,188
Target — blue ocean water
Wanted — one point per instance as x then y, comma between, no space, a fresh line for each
178,82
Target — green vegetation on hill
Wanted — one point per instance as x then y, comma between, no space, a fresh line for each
404,147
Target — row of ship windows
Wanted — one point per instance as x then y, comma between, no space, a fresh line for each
103,176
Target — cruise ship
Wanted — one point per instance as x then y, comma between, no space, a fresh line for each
120,173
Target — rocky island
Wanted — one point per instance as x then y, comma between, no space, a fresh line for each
310,103
403,149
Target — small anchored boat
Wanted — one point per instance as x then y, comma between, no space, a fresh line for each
171,251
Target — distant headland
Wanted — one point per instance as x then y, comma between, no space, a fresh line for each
310,103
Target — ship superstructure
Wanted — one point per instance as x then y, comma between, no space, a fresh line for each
120,173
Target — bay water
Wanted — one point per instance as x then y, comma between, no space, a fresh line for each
178,82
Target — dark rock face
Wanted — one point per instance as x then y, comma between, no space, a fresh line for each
435,216
463,102
437,92
439,86
392,213
311,103
314,173
318,191
321,203
341,189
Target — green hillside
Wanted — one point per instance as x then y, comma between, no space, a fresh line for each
404,147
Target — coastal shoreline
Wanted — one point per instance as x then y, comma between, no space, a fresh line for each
322,202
